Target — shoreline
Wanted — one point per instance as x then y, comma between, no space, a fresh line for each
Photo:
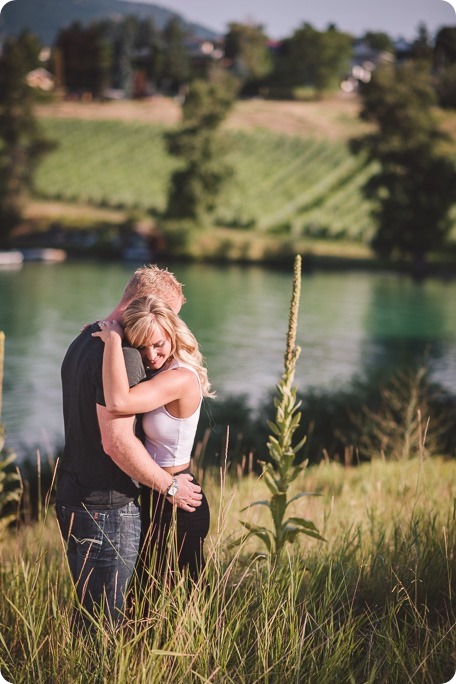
46,223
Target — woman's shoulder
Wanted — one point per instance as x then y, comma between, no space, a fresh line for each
187,373
177,363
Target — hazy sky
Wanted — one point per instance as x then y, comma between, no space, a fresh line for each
281,17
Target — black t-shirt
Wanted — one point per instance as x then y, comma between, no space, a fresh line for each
87,476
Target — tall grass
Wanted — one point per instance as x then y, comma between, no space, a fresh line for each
376,603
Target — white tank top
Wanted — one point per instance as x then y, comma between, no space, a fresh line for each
169,440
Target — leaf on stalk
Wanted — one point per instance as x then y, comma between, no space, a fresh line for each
260,532
295,421
271,482
278,507
256,503
273,427
300,444
290,533
295,472
301,494
305,526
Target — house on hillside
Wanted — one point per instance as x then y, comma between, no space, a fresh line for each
402,49
366,59
203,54
40,78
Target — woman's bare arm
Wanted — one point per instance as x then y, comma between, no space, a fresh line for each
146,396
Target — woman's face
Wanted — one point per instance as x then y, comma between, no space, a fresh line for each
157,351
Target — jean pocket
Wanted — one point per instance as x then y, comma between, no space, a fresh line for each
131,512
85,530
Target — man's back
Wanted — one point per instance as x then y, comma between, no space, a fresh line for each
86,474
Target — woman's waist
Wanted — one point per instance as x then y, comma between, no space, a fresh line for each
176,469
173,456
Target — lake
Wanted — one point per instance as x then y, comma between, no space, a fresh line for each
352,325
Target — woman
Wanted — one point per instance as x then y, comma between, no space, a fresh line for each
170,401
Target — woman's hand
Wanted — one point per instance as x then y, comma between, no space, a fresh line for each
107,328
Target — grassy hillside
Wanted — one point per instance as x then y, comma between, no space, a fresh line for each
297,186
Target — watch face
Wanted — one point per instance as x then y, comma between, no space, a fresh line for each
172,491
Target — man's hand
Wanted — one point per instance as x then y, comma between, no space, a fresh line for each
188,496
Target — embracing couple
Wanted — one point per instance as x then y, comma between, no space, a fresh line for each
138,367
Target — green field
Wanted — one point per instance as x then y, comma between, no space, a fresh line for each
303,187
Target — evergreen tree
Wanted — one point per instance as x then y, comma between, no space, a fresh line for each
176,65
415,186
334,52
195,187
246,45
378,40
22,145
422,47
445,66
317,59
445,47
149,51
86,58
446,87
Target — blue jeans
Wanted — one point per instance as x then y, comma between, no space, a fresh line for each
102,549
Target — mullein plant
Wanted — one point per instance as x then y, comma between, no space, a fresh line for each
280,471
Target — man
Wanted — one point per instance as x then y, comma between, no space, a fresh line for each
97,498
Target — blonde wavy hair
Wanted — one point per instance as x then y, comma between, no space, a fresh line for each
145,315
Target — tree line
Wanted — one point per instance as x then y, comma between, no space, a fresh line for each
134,56
412,191
131,55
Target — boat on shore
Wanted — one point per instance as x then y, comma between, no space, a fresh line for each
11,259
44,254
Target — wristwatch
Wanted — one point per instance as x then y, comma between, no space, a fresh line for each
172,490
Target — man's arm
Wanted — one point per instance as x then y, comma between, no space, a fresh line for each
130,455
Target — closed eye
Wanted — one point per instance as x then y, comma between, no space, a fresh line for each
157,345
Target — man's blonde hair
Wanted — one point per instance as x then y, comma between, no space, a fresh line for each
152,280
145,315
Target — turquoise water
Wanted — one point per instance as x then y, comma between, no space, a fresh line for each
352,325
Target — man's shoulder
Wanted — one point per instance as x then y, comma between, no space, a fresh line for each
87,352
134,365
132,355
85,339
84,348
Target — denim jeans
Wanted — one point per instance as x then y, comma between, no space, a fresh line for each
102,548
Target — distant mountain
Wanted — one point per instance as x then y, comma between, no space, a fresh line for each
45,18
